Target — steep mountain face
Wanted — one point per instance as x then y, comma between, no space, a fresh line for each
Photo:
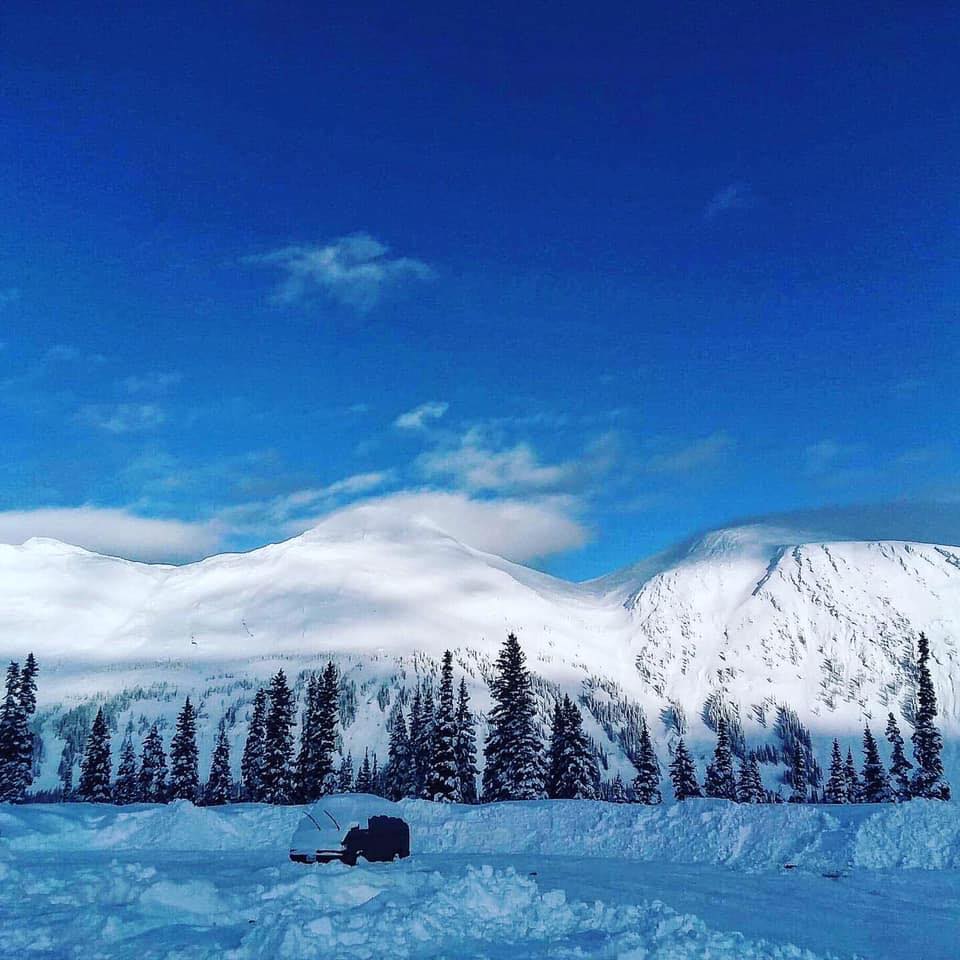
746,620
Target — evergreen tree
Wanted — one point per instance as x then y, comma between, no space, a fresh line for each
555,751
900,766
376,778
466,747
94,786
443,784
514,767
278,742
683,773
750,784
876,787
252,762
16,742
928,779
127,788
415,738
836,788
327,719
184,768
573,773
398,774
28,685
799,778
220,785
646,784
423,742
365,775
153,768
720,781
618,791
308,784
852,778
345,775
65,772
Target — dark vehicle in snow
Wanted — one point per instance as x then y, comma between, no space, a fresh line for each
347,827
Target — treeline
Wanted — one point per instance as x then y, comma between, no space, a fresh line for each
433,752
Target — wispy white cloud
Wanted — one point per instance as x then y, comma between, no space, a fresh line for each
419,417
734,196
120,418
118,532
355,270
692,456
155,382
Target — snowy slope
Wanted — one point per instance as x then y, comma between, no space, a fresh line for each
754,616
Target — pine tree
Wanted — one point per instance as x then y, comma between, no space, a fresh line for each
876,787
415,737
398,775
220,785
376,778
618,791
720,781
65,772
683,773
799,776
278,742
365,775
252,762
852,778
836,788
327,718
443,784
153,768
573,773
646,784
16,742
345,775
750,784
305,772
184,767
127,788
555,751
900,766
466,748
514,767
28,685
423,742
94,786
928,779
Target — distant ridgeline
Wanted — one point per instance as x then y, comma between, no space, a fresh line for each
293,751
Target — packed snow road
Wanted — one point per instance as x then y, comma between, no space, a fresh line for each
684,882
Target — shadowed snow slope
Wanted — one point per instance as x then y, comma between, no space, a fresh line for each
754,616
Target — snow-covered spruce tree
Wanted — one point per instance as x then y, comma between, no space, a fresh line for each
799,778
219,789
876,787
928,779
555,751
327,719
345,774
646,784
415,737
513,750
278,742
94,786
251,764
422,743
443,784
618,790
900,766
720,781
16,743
852,778
184,768
466,748
309,784
750,784
577,776
127,788
65,772
683,773
28,685
836,789
398,773
153,768
365,775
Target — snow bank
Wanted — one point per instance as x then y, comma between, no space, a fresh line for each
921,834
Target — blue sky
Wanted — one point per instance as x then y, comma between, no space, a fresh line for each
578,283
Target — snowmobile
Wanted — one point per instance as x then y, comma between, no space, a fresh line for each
349,826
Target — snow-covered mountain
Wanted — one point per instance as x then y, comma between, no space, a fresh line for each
745,619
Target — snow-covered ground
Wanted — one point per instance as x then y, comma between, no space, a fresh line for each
704,879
